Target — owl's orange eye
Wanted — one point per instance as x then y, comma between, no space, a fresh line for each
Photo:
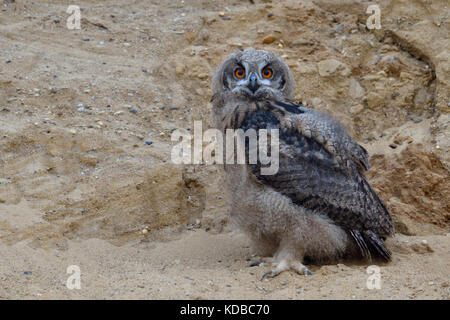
267,73
239,72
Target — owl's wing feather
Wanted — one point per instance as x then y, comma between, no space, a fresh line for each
328,132
320,168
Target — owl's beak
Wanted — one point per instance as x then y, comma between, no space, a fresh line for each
253,82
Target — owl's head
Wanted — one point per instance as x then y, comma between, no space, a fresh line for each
253,75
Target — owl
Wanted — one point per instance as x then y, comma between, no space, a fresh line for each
318,207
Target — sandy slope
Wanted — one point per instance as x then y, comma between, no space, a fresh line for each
85,123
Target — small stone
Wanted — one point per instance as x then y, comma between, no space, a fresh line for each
144,231
339,28
355,90
331,67
269,39
375,101
315,102
221,14
393,145
356,109
86,39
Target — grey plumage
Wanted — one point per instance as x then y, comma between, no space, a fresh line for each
318,205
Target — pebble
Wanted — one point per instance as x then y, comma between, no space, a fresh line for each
330,67
8,61
393,145
339,28
221,14
144,231
269,39
86,39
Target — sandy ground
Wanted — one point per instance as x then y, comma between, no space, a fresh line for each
85,123
200,265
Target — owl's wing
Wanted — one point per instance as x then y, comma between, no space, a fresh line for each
320,168
327,132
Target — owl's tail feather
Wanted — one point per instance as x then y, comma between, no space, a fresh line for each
359,239
377,244
370,243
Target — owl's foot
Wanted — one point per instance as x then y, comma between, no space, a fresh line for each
285,265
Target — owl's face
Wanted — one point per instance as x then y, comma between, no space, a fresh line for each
254,75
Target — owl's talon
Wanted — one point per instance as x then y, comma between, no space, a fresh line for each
257,264
270,273
308,272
